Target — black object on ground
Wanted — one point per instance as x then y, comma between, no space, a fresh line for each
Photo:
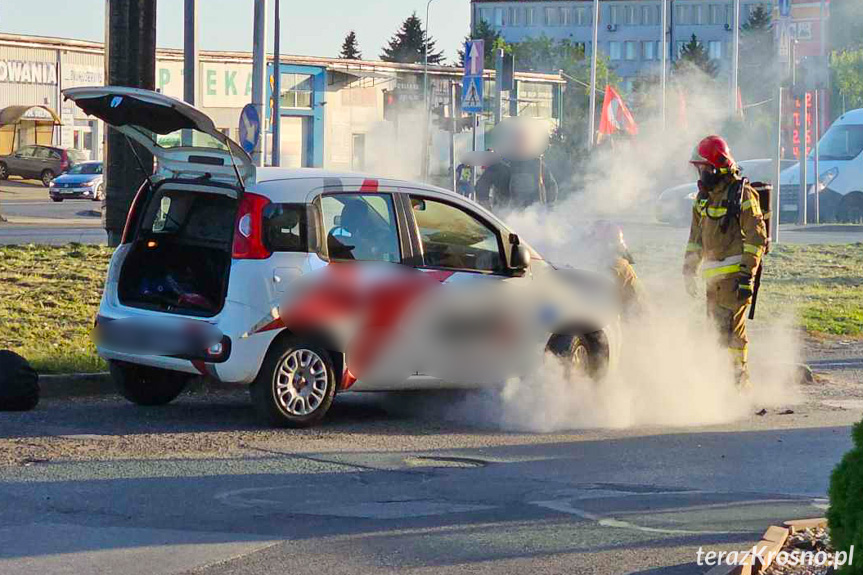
19,383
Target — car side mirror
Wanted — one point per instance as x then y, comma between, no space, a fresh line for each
519,257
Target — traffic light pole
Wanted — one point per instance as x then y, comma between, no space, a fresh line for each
454,127
259,75
498,85
803,195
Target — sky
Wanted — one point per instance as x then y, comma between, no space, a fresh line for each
314,28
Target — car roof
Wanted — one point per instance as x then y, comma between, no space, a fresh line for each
850,117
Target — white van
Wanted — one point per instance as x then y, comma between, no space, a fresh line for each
840,178
213,246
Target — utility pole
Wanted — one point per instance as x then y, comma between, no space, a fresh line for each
277,89
593,59
664,47
191,74
259,74
735,56
498,85
803,196
453,127
130,60
426,104
816,133
777,170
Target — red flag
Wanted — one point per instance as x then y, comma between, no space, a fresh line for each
615,115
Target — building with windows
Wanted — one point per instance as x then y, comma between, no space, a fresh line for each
334,113
629,30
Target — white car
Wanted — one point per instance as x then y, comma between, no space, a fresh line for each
214,247
841,174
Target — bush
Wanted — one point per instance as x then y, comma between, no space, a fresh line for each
845,516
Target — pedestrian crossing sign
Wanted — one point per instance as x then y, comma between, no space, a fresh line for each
471,102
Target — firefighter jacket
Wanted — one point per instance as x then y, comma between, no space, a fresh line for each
725,246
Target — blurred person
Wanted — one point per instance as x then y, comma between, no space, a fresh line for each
727,239
521,177
464,180
610,245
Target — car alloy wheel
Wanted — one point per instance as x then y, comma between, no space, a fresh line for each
4,171
47,176
301,382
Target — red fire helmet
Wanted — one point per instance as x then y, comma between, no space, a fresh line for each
713,151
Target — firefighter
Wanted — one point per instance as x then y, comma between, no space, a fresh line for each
521,177
607,239
727,239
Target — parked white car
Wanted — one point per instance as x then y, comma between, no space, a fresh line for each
840,178
214,247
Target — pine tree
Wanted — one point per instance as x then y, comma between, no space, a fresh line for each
350,47
693,55
484,31
406,46
760,20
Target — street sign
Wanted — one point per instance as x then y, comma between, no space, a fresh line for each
784,8
472,85
250,128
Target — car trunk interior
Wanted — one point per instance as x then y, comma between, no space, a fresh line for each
180,259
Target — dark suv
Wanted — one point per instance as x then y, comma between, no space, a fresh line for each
39,162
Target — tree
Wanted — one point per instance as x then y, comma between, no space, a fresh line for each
758,70
406,45
484,31
847,70
694,56
350,47
846,25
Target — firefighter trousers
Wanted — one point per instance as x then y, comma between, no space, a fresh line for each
728,315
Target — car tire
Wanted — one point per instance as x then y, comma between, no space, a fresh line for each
148,386
283,394
4,171
851,208
582,354
46,176
99,193
57,199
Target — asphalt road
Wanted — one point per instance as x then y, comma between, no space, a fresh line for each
399,482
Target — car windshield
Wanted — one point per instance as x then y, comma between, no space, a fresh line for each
82,169
180,138
841,143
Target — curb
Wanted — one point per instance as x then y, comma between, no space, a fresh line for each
99,384
773,540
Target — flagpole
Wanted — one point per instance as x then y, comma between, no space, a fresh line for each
664,45
735,55
593,60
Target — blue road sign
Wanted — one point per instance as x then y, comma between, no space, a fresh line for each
250,128
784,8
472,85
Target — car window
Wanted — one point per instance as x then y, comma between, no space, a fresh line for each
42,153
199,217
86,169
26,152
285,228
76,156
53,154
453,238
361,227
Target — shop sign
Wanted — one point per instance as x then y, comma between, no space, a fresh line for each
18,72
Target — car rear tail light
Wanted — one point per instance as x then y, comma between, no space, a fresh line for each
248,237
64,161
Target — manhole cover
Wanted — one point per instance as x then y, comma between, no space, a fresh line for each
456,462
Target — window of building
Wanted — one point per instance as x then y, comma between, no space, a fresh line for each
714,49
566,16
552,17
582,17
498,17
487,15
648,50
614,50
633,15
615,15
626,85
717,16
530,17
513,16
296,91
681,14
522,16
631,50
680,46
647,15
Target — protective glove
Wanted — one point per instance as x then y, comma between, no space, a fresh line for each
744,288
691,285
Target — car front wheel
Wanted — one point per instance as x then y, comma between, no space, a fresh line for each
99,193
4,171
851,208
582,355
147,385
296,384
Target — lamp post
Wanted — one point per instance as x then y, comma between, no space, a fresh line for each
425,158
